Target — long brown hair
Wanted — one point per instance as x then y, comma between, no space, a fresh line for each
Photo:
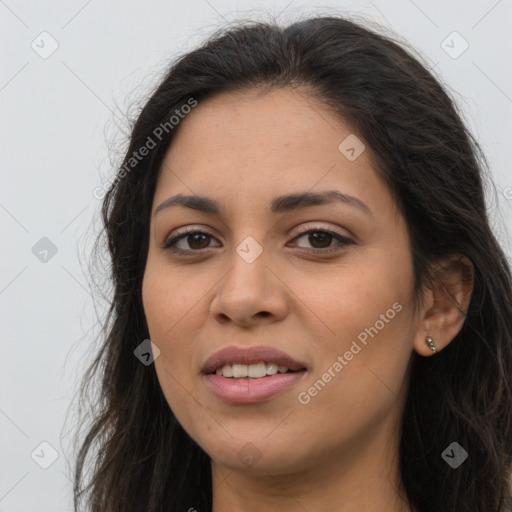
142,459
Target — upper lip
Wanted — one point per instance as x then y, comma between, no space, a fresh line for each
249,355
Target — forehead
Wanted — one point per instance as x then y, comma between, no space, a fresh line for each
251,144
253,119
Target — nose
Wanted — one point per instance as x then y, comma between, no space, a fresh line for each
250,293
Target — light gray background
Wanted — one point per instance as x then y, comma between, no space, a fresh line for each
61,114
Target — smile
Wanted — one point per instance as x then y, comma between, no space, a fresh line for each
244,389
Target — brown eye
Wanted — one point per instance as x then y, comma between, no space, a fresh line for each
320,241
197,241
189,242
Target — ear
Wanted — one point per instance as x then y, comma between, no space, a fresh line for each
446,303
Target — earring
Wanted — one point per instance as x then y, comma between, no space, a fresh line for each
430,343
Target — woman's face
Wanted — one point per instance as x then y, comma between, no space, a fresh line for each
337,300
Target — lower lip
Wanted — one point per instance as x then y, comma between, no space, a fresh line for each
251,391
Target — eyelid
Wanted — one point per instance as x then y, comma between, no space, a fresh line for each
309,228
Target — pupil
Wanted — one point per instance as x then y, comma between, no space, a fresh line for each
196,236
322,237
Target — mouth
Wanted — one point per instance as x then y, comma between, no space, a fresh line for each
253,362
239,375
249,390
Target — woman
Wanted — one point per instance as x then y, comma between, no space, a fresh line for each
299,228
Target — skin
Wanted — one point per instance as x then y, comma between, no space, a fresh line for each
338,452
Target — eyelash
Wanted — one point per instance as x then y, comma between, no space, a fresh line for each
170,244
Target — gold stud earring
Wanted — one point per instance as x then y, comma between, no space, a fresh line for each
430,343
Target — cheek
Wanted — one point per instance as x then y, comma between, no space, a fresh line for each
357,386
367,314
174,307
170,301
166,314
368,288
165,308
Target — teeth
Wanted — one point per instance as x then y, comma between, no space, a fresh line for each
227,371
253,371
272,368
239,370
256,371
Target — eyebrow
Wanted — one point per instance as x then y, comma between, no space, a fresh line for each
280,204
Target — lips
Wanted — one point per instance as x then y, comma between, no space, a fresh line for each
250,355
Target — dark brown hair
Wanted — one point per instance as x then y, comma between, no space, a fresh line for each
143,460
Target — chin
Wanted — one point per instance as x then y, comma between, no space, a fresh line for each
258,457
